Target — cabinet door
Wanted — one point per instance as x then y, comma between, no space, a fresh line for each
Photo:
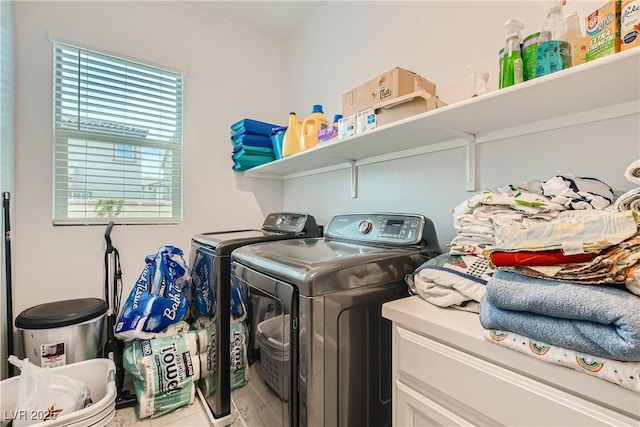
460,381
413,409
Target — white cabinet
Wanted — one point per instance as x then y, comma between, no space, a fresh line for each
446,373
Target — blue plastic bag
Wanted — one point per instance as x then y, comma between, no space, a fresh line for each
158,298
203,285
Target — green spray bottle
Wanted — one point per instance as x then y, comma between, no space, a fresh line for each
511,72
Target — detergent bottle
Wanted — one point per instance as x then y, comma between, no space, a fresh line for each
291,138
576,39
310,127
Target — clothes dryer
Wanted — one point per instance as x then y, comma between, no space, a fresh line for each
217,307
319,349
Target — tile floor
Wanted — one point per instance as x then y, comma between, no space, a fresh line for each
194,415
252,405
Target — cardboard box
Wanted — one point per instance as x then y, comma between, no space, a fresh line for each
603,31
629,24
390,85
406,106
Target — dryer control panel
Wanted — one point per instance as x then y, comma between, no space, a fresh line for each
388,229
291,223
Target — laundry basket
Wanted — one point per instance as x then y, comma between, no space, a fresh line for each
274,354
98,374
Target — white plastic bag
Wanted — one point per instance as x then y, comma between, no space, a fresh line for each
44,395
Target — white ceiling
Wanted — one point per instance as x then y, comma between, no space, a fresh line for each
277,18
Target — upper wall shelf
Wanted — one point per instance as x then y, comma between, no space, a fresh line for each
599,85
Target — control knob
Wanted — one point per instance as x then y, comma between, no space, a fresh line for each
365,227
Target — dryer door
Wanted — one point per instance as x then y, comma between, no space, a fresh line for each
271,392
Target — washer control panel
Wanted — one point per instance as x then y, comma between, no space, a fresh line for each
395,229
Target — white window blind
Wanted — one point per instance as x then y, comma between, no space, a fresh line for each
118,140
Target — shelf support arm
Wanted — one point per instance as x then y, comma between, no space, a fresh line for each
470,165
354,179
470,158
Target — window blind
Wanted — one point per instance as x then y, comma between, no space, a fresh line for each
118,139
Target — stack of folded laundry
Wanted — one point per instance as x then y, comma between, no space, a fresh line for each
457,279
553,268
569,293
252,145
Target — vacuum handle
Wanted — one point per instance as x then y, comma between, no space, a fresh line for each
107,237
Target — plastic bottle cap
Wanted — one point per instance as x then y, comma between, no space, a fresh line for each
337,117
317,108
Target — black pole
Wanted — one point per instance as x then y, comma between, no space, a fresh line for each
6,197
114,348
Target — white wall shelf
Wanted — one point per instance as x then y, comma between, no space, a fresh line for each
606,88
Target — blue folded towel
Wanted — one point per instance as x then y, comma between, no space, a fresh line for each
599,320
252,126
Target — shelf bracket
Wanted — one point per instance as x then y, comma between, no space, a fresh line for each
470,165
470,158
354,179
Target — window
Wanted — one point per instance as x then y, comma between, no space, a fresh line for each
118,140
124,151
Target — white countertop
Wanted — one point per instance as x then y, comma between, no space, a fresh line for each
462,330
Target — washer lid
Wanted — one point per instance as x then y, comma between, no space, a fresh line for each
318,266
61,313
217,238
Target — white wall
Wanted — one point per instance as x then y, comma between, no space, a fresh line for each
6,152
347,43
232,73
235,73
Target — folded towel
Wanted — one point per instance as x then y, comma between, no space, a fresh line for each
452,281
599,320
578,193
623,374
531,258
629,201
591,236
632,173
613,266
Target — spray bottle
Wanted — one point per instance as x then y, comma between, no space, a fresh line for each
554,52
480,80
511,72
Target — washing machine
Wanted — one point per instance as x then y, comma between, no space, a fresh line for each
319,349
218,308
